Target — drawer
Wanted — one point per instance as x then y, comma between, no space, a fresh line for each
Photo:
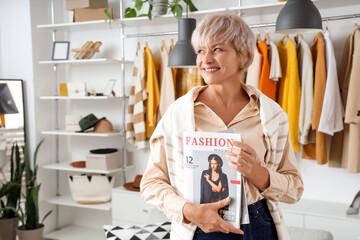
130,208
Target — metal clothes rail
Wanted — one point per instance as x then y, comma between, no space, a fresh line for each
261,25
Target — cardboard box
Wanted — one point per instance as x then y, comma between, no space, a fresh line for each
72,4
76,89
90,14
104,161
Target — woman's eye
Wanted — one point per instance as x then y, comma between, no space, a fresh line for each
217,50
200,51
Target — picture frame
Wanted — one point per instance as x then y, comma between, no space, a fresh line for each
109,87
60,50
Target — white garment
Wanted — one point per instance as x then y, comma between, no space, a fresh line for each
135,117
332,114
274,59
167,90
306,134
253,72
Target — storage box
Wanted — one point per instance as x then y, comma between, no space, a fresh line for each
90,14
76,89
72,4
91,189
104,161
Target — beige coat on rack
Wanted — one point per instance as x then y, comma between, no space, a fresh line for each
344,150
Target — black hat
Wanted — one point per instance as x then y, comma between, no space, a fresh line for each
88,122
103,150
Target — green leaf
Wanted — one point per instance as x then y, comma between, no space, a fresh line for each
177,10
192,7
108,14
149,12
46,215
138,5
130,12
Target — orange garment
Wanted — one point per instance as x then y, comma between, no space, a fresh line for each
266,85
319,59
152,89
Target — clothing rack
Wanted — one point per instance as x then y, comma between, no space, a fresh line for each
261,25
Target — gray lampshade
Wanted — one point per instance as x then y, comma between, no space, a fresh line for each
298,16
183,54
7,104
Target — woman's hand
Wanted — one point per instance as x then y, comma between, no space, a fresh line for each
244,161
207,177
206,217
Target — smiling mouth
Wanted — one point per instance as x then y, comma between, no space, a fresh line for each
210,69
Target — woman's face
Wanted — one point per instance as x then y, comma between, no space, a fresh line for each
218,62
213,164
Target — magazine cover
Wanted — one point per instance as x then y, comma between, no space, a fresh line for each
208,177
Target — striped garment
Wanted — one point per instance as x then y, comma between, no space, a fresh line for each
180,118
135,117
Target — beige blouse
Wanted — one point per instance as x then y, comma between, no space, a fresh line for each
247,122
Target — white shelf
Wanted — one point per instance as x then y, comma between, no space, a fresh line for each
81,98
68,201
77,232
169,18
66,166
84,61
82,134
82,26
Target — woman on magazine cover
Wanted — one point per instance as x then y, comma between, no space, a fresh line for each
225,47
214,183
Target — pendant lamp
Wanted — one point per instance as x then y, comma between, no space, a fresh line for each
298,16
183,55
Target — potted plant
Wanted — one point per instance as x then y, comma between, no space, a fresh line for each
10,194
159,7
31,227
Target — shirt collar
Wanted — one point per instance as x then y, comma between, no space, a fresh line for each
254,99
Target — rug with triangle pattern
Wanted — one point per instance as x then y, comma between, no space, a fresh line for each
138,232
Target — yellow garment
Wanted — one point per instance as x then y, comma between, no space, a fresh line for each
289,92
187,78
152,89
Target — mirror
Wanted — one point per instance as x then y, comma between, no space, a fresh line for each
12,119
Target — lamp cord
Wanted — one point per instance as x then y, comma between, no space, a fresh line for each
187,6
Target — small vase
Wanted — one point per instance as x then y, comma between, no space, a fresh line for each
8,228
160,7
32,234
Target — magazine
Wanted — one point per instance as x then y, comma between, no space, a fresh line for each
208,177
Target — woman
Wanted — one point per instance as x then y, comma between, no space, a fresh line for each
224,46
214,183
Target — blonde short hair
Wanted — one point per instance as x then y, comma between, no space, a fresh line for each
227,28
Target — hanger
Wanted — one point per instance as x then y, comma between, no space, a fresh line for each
298,36
172,41
267,36
146,44
162,44
258,38
355,23
138,48
327,23
284,36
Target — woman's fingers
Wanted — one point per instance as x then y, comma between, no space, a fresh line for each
207,218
